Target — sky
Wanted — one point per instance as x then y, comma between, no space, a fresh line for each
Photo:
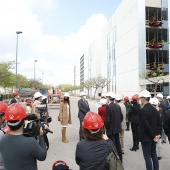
55,32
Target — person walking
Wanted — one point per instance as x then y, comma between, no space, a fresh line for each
83,107
118,100
150,130
155,103
162,106
65,116
91,153
133,118
113,121
128,107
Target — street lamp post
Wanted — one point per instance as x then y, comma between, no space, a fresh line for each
42,77
34,68
16,78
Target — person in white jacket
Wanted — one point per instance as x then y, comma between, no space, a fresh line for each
118,100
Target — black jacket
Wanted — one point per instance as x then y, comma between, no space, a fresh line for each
113,119
166,123
91,155
13,100
149,124
134,114
83,109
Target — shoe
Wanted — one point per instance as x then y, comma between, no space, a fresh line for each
133,149
159,158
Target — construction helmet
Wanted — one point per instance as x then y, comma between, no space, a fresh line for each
111,94
92,121
15,112
15,93
144,94
118,97
126,99
168,97
154,101
135,97
103,101
66,95
3,108
160,95
37,95
59,163
82,93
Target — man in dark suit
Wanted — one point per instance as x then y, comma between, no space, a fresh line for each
83,109
150,130
14,99
113,121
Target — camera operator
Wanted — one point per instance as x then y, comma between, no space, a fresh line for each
38,99
18,151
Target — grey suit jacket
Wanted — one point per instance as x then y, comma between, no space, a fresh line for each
83,109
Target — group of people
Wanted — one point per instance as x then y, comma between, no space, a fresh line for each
99,133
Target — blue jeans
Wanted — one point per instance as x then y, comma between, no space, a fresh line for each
150,156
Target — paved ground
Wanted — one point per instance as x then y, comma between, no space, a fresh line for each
59,150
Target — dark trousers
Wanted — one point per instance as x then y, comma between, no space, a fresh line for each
134,127
150,156
116,142
80,131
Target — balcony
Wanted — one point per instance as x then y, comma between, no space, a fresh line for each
155,66
154,44
152,22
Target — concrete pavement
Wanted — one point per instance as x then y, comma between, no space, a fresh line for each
66,152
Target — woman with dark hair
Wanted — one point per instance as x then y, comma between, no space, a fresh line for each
65,116
91,153
133,117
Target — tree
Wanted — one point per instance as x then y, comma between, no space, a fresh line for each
155,77
4,70
96,84
103,82
34,84
22,82
66,87
88,84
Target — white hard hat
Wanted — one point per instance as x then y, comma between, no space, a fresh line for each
160,95
44,97
66,95
144,94
168,97
111,94
103,101
118,97
82,93
154,101
37,95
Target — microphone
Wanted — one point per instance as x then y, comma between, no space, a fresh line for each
31,117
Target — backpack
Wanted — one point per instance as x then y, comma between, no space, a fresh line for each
113,162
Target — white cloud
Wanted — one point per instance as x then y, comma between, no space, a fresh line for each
56,56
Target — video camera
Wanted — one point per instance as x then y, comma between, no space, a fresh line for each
33,127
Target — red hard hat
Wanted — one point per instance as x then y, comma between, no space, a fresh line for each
3,107
15,112
92,121
126,99
135,97
15,93
59,162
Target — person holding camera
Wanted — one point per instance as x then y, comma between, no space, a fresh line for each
65,116
38,99
18,151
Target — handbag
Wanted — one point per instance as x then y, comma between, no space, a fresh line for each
113,161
